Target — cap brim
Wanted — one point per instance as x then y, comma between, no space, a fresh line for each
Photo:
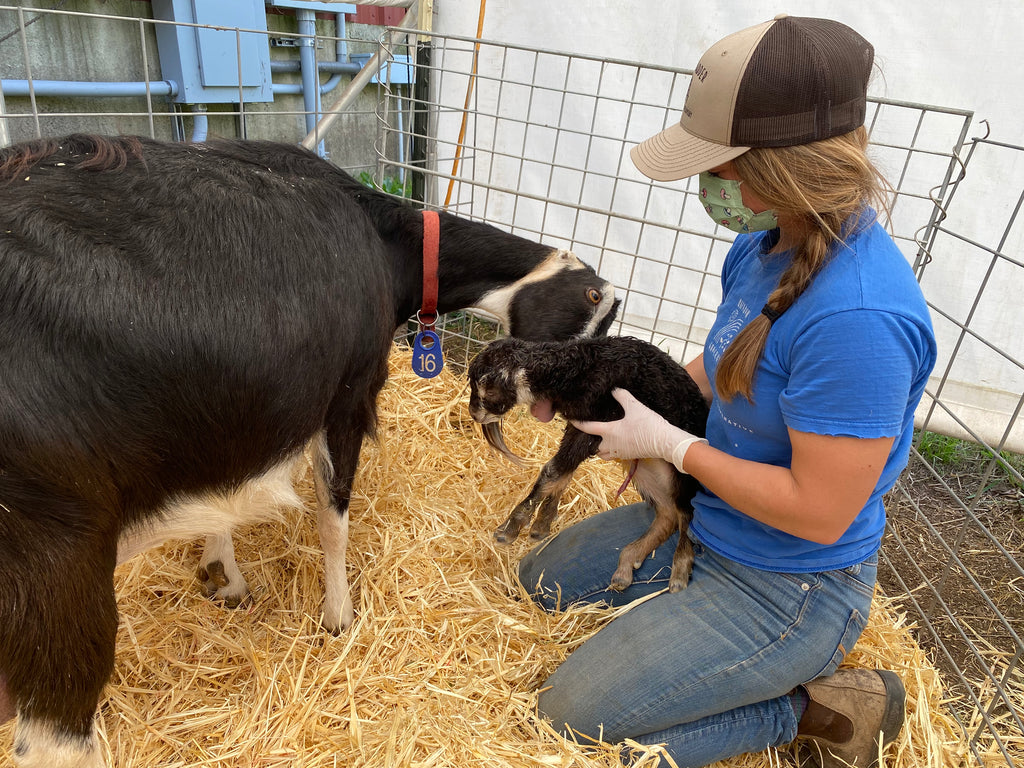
676,154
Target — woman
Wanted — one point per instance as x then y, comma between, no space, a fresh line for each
814,366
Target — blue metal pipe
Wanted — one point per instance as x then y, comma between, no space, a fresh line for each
88,89
332,67
200,123
340,57
337,69
308,67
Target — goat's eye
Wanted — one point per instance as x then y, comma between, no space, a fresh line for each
594,295
497,407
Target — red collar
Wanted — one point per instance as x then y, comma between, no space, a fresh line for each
427,314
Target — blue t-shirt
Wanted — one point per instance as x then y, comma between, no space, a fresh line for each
850,357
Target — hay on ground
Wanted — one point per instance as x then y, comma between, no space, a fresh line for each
443,662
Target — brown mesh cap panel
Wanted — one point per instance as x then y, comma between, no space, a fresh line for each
792,80
806,81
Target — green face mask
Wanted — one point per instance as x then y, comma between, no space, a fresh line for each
723,201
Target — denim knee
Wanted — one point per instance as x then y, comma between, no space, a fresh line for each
576,564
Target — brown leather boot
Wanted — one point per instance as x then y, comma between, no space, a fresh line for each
848,715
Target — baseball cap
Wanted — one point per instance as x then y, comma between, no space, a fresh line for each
788,81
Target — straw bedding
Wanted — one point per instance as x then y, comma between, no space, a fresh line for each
443,662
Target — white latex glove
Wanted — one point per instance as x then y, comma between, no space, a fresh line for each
640,434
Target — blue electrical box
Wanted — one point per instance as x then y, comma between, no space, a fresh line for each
207,61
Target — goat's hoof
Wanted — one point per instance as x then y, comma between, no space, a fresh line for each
682,567
620,581
217,586
507,533
338,620
539,534
676,584
338,629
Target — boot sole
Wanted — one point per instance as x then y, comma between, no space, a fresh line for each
895,707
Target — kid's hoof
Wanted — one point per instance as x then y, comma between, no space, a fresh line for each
502,536
621,579
508,531
677,583
538,533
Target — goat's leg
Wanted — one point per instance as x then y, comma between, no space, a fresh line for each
547,512
544,497
261,498
655,480
57,651
682,560
508,531
547,491
332,523
219,575
334,468
666,521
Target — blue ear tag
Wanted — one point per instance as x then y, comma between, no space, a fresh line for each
427,360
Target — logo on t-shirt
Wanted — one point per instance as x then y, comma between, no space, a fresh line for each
728,331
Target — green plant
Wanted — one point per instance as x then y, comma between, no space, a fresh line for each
952,452
940,449
390,184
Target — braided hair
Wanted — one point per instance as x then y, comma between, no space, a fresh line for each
821,191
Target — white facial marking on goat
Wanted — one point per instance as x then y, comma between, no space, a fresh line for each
496,302
604,307
263,498
479,412
37,744
524,395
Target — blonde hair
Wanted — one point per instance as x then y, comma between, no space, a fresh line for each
821,192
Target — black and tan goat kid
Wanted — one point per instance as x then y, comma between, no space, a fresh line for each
177,324
576,379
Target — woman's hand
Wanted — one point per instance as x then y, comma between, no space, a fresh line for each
640,434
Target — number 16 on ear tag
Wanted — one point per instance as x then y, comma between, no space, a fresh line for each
427,360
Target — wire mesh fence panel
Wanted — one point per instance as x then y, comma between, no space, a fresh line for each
956,530
537,142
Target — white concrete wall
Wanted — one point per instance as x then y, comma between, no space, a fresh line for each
945,53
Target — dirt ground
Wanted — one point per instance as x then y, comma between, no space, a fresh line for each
953,557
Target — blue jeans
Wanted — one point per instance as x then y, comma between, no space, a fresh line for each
704,671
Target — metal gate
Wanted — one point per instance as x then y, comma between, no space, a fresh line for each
536,142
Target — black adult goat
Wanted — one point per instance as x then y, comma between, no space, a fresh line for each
177,323
576,379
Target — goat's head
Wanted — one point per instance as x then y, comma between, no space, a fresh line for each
497,383
560,299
